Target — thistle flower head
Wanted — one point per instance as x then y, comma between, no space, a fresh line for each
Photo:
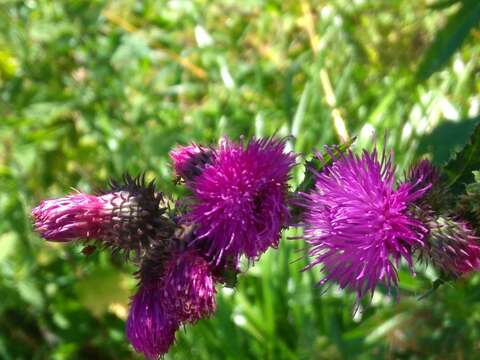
129,216
150,328
451,246
188,283
358,225
71,217
424,176
240,198
189,161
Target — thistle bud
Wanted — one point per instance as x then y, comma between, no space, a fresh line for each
129,216
425,176
189,161
451,247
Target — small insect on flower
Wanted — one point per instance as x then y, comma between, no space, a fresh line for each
240,199
126,217
358,224
89,250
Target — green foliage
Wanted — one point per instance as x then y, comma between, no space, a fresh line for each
321,160
450,38
447,139
90,89
460,170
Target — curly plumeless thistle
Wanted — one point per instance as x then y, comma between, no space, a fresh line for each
358,225
128,216
176,283
240,198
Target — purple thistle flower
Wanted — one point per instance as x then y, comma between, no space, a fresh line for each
150,328
451,246
423,175
127,217
189,161
358,225
71,217
240,199
189,285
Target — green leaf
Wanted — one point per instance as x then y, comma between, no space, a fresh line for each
30,292
459,170
317,164
300,113
383,329
9,242
443,4
103,288
450,38
448,138
409,282
435,285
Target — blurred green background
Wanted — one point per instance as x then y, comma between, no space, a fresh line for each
90,89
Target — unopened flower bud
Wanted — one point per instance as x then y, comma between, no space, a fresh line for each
189,161
129,216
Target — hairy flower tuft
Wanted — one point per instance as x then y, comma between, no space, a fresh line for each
188,283
358,225
240,199
71,217
150,328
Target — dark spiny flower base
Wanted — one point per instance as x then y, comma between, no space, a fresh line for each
139,217
451,247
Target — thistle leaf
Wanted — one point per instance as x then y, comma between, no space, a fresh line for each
319,162
450,38
459,171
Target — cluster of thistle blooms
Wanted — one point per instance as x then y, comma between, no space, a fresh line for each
358,220
236,206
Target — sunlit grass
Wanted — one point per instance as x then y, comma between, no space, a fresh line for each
89,90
